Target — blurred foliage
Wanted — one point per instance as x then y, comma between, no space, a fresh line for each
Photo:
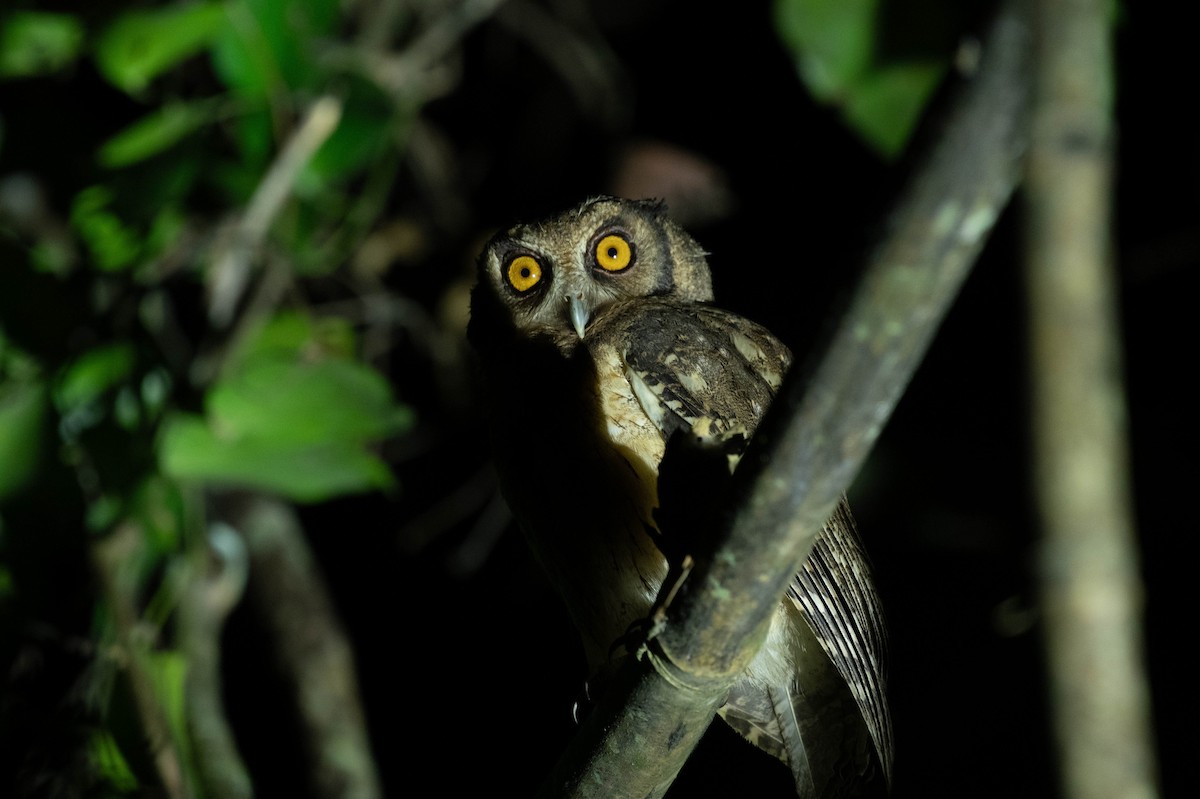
844,55
32,43
138,46
106,754
138,398
22,416
292,415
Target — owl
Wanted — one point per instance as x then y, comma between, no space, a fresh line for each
598,342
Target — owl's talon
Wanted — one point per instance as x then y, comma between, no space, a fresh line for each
676,577
582,705
642,631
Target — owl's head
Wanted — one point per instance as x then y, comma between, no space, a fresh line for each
554,277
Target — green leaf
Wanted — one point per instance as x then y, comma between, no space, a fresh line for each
155,132
165,229
311,472
103,513
23,411
832,41
294,414
886,105
292,335
33,43
112,244
168,671
255,138
269,45
157,505
841,57
141,45
110,765
302,403
92,374
243,58
283,336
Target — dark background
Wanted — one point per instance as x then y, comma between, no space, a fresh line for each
469,665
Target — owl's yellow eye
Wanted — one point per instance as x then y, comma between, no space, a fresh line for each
614,253
524,272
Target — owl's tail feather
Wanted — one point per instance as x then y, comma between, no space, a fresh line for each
796,756
829,746
810,721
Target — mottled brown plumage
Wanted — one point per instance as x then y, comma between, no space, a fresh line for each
598,342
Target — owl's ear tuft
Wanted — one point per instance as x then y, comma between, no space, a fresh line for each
652,207
655,207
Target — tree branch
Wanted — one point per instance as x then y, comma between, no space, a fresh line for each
1091,592
814,440
205,604
313,651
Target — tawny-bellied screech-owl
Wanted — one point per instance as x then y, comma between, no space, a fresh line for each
598,340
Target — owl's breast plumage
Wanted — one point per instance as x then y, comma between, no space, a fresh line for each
626,426
577,459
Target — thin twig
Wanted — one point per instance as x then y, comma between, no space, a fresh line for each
420,68
116,558
813,441
231,265
1091,593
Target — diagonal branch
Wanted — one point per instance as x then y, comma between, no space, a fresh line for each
814,440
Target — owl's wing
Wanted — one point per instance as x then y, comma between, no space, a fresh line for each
714,373
702,368
836,596
704,377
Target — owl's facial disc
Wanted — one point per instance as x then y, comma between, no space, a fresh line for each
610,252
557,283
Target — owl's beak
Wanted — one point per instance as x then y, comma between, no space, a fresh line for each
579,314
